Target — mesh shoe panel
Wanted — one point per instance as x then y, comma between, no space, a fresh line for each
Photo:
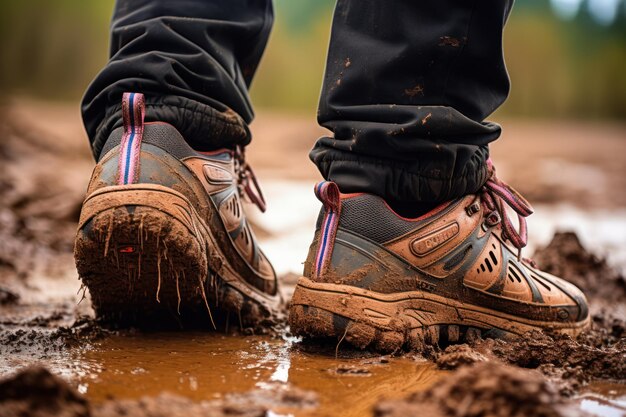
368,216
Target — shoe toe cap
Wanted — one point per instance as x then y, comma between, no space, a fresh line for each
570,301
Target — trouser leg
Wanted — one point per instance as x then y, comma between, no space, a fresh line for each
407,88
194,61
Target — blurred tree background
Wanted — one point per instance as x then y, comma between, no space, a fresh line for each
566,58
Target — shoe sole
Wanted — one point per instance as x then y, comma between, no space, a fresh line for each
143,251
389,322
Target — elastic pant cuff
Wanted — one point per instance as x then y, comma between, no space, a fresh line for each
204,128
427,181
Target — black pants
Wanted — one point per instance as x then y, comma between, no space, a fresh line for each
407,88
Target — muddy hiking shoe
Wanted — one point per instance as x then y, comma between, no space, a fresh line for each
375,279
162,231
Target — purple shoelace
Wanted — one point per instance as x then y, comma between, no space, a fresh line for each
248,184
494,195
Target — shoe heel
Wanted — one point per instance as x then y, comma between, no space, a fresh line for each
141,251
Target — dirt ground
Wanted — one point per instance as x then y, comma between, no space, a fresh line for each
56,360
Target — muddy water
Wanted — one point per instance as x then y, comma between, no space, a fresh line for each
208,366
205,366
607,399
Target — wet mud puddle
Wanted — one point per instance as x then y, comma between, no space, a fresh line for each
277,373
205,367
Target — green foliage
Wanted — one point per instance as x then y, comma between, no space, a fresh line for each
564,69
290,74
52,48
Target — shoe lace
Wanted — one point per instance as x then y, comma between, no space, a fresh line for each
247,183
494,194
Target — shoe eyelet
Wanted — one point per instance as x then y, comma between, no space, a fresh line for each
562,314
492,219
472,209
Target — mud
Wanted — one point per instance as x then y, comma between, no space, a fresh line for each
452,41
414,91
47,320
485,389
41,187
8,297
36,392
565,256
569,363
456,356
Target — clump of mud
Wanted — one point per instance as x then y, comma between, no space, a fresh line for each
36,341
571,363
35,392
484,389
8,297
456,356
597,353
566,257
